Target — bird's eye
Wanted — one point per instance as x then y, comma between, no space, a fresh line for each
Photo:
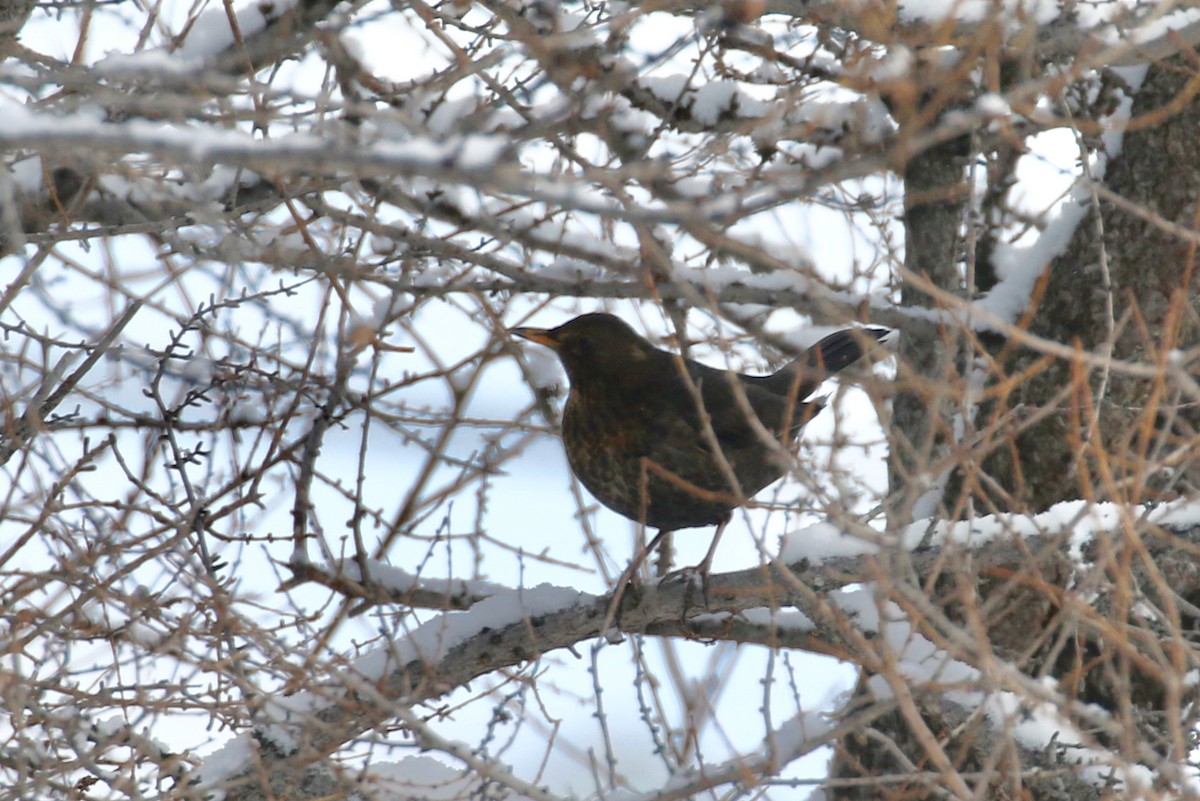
584,345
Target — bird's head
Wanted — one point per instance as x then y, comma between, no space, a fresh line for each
595,346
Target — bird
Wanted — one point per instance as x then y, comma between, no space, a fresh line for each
671,443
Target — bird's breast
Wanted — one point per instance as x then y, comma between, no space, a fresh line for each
601,427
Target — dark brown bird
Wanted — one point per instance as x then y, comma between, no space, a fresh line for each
636,431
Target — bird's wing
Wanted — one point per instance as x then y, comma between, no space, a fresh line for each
771,396
720,392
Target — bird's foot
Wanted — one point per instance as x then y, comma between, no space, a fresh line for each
696,578
627,585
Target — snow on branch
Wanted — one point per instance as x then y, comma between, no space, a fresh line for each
852,603
1118,33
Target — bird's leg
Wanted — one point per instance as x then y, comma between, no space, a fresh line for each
701,570
627,577
706,563
662,566
663,537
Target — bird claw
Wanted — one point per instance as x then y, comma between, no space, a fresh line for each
682,574
627,587
632,588
694,576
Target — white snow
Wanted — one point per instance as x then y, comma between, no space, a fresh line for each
795,734
231,759
719,277
1158,28
568,269
211,33
27,174
431,641
1019,12
425,777
824,541
482,152
401,581
151,62
1019,267
1114,129
708,103
205,144
993,105
789,619
819,542
381,245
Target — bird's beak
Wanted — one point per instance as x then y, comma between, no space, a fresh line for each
542,336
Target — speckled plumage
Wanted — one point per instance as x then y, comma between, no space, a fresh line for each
631,421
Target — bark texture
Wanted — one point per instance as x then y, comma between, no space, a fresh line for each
1109,434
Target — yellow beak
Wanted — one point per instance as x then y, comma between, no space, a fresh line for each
542,336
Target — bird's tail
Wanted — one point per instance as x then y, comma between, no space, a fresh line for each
800,378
